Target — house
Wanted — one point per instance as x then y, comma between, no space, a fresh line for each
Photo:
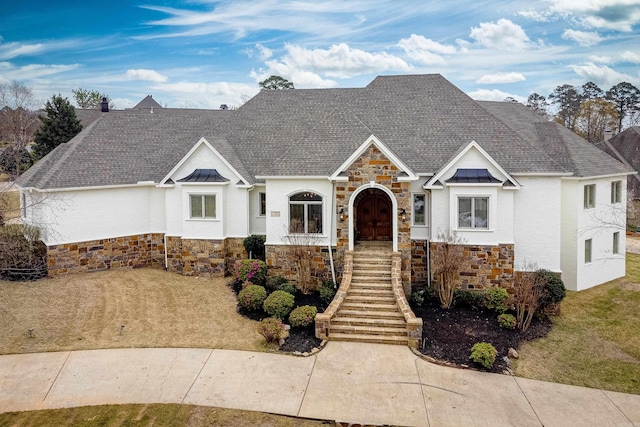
401,160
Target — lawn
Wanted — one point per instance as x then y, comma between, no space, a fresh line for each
157,309
595,342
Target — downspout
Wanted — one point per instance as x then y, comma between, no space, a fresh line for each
333,214
166,257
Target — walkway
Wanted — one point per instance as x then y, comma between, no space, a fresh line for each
346,381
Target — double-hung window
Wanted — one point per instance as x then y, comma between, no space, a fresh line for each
473,212
590,196
616,192
419,217
305,213
202,206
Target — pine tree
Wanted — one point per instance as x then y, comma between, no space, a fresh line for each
58,126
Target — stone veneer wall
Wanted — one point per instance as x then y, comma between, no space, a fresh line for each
419,271
281,261
201,257
374,166
484,266
142,250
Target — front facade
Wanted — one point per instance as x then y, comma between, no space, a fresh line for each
324,170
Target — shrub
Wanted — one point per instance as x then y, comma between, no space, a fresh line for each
252,270
496,299
507,321
303,317
288,288
252,297
471,299
278,304
273,330
484,353
553,288
327,291
254,245
446,259
274,282
245,284
417,297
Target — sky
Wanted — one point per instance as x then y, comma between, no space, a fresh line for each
204,53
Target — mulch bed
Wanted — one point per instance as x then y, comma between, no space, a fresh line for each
448,335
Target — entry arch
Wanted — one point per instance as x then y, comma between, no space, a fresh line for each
393,213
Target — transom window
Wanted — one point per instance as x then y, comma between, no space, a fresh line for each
473,212
202,205
263,204
616,192
590,196
305,213
419,209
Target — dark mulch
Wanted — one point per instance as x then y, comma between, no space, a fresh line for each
448,335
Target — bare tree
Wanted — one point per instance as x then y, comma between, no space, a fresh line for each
528,289
446,260
302,250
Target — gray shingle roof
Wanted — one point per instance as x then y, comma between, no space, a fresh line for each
423,119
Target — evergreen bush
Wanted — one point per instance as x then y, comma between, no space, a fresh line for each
278,304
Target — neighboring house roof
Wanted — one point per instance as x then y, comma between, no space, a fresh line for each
147,102
423,119
625,146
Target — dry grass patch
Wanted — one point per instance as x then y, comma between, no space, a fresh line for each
157,309
9,204
151,415
595,342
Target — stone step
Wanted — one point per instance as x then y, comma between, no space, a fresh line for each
367,330
358,284
370,299
358,306
380,292
371,278
360,271
354,313
378,339
392,322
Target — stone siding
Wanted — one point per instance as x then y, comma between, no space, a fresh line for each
281,261
201,257
142,250
484,266
419,271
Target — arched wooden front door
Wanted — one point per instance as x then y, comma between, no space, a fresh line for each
373,216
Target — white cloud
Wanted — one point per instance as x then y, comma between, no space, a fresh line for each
535,15
600,59
202,94
424,50
620,15
501,78
583,38
601,74
494,95
13,50
631,56
147,75
502,35
265,52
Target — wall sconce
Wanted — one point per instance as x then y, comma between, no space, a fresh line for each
342,214
404,214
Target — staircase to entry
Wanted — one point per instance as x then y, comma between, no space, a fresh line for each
370,305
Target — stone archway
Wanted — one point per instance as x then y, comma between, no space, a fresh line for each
373,216
382,196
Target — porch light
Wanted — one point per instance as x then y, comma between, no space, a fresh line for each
404,214
341,214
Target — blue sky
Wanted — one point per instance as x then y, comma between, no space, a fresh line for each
200,54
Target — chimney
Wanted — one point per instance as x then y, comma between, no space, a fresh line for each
104,105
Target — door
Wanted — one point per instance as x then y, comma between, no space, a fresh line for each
374,217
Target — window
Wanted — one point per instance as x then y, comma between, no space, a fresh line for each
203,205
305,213
473,212
263,204
419,209
616,242
616,191
590,196
587,251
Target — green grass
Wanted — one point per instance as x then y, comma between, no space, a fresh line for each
595,342
151,415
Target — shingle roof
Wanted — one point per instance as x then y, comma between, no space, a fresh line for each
422,119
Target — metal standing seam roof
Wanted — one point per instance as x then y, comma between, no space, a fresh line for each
422,119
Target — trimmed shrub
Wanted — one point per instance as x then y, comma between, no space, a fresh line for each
484,354
288,288
252,297
278,304
302,317
471,299
253,270
274,282
254,245
327,291
273,330
553,288
496,299
245,284
507,321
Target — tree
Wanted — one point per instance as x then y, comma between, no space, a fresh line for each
18,122
276,83
590,91
511,99
568,100
89,98
626,99
446,261
59,126
595,117
538,103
